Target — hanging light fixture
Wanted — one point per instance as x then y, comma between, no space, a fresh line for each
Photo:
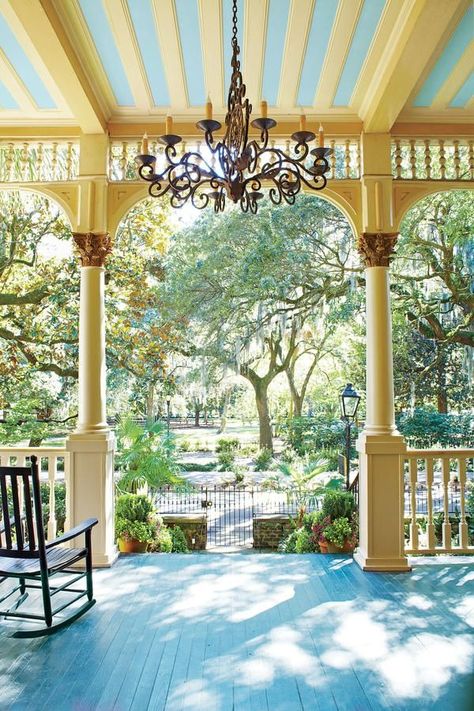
235,167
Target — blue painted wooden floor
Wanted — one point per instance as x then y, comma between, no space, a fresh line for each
260,632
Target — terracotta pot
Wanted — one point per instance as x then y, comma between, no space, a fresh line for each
348,547
131,545
323,547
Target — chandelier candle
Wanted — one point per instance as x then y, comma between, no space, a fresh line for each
236,167
321,136
145,144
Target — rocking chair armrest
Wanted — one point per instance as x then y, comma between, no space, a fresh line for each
82,527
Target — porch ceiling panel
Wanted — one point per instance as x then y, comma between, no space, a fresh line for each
143,59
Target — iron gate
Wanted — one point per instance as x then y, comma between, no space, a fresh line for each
229,510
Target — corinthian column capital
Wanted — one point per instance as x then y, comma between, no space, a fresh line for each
377,248
93,248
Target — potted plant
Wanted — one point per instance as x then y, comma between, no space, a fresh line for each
135,523
339,536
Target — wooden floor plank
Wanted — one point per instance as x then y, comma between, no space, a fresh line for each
256,632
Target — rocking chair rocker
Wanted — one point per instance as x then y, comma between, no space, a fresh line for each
26,556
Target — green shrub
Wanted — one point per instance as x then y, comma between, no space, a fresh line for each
184,445
426,428
198,466
178,539
338,504
314,434
226,460
288,544
338,531
263,460
230,444
304,541
163,541
137,530
134,507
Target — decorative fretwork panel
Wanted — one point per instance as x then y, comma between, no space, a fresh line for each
37,161
433,159
344,162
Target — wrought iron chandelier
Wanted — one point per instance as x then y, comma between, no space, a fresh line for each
235,167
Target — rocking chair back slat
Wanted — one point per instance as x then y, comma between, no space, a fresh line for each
17,513
5,512
29,512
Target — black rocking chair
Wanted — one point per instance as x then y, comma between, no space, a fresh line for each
26,556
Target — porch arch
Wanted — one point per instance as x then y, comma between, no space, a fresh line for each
47,193
405,197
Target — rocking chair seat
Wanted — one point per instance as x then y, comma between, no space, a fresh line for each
57,558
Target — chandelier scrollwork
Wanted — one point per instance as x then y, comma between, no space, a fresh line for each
235,167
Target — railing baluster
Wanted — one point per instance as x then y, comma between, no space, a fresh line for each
471,159
9,163
427,158
457,160
430,530
413,158
39,160
54,160
413,525
347,159
398,159
69,161
123,161
442,159
463,533
446,523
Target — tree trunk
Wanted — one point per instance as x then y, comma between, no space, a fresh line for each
35,442
197,415
225,409
265,426
442,396
150,402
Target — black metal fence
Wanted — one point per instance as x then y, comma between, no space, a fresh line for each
229,510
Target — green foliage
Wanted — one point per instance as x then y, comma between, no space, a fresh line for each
315,434
304,480
338,504
146,456
162,541
338,531
226,460
288,544
304,541
427,428
263,460
178,539
134,517
230,444
198,466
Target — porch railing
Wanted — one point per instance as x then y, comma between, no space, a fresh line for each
54,468
436,485
344,162
433,159
38,161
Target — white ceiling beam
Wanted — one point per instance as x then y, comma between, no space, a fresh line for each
344,26
417,39
255,30
173,63
210,20
127,45
299,22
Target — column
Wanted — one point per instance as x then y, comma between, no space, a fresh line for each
90,483
380,445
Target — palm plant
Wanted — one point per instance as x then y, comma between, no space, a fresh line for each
146,455
305,480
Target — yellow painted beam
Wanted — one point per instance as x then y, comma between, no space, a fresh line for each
122,28
255,30
418,37
455,80
16,88
167,30
210,18
301,12
345,23
43,39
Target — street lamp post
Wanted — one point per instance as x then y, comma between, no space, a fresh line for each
349,400
168,401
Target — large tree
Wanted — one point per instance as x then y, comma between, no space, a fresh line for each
245,285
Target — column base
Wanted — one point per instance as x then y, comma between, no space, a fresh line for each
90,490
382,565
381,504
